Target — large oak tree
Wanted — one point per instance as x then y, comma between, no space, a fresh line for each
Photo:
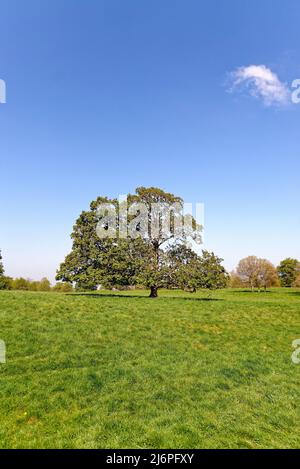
141,258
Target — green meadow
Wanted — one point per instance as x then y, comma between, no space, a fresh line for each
120,370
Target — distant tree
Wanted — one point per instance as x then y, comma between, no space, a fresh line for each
20,284
296,283
255,272
29,285
247,271
63,287
235,280
44,285
288,270
33,285
5,282
1,266
266,275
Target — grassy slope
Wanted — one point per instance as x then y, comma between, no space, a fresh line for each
98,371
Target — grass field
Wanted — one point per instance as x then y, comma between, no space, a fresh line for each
121,371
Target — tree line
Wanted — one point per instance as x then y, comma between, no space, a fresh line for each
251,272
20,283
258,273
154,259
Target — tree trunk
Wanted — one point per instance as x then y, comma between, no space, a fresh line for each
153,292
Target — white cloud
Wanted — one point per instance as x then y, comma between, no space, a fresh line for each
259,81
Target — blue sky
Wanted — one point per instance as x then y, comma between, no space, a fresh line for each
105,96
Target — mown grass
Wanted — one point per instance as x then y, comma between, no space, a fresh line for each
124,371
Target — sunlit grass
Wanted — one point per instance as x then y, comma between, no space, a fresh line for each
117,369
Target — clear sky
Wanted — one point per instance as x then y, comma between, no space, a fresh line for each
107,95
